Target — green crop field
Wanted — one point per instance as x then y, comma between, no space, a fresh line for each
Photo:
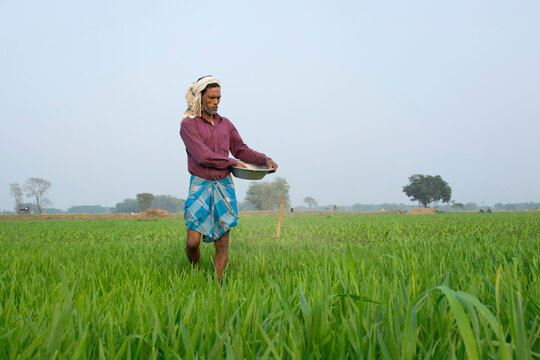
337,286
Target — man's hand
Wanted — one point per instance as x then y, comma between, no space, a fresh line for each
272,165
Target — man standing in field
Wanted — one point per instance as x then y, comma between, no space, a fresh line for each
211,208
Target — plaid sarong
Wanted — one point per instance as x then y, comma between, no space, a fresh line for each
211,207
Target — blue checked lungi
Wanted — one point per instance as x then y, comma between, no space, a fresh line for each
211,207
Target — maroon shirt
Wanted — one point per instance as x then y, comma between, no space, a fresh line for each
208,147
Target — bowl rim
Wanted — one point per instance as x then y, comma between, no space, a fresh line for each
252,170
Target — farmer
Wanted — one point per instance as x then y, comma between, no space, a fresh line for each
211,208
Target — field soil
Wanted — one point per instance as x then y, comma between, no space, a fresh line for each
421,211
151,213
159,213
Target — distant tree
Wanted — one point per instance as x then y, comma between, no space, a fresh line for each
89,209
378,207
145,200
427,189
499,206
311,202
17,193
53,211
169,203
245,206
456,205
365,207
517,206
268,195
127,206
470,206
37,188
511,207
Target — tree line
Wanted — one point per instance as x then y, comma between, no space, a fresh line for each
145,201
260,196
425,189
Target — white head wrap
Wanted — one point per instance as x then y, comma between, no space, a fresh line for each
193,96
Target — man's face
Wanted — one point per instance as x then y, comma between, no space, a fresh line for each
210,100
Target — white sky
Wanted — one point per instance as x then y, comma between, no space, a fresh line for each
350,98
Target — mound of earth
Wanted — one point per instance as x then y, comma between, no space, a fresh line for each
151,213
423,211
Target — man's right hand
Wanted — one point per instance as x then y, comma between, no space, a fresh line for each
240,165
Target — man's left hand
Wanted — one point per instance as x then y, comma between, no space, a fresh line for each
272,165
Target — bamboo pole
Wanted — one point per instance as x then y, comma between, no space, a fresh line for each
279,223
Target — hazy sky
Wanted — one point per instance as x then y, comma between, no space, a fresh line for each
350,98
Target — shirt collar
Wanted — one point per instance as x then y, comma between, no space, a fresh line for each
217,118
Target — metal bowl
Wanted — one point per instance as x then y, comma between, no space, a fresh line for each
253,172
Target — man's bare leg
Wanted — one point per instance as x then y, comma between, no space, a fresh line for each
192,247
222,253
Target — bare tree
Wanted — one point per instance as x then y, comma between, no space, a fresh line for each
16,191
37,188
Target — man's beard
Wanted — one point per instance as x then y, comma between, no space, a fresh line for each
210,111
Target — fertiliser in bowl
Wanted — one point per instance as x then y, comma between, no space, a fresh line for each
253,172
